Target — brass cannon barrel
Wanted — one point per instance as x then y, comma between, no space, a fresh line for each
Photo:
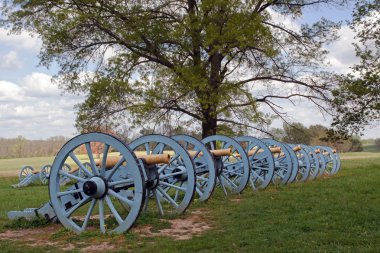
215,152
149,159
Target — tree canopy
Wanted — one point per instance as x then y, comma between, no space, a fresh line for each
207,62
357,99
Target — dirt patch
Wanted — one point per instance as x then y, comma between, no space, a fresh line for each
105,246
181,229
236,200
30,234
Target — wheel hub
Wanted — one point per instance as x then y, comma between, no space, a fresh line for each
180,177
96,187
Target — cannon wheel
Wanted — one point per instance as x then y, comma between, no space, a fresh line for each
295,162
330,160
25,172
337,158
262,163
235,172
322,161
45,173
304,164
283,162
101,189
204,162
176,184
314,162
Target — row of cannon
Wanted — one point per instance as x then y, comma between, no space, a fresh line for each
28,175
111,191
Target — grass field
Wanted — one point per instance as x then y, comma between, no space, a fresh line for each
335,214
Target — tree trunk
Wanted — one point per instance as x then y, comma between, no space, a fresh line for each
209,127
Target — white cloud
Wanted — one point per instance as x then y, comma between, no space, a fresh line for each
10,60
35,109
342,52
39,84
23,40
10,92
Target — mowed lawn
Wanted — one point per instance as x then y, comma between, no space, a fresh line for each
335,214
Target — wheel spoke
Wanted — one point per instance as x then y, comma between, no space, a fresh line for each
212,145
260,159
252,183
229,181
166,165
81,166
234,173
69,175
160,147
202,178
172,174
104,159
257,175
147,148
101,216
60,194
126,181
78,205
158,203
113,210
121,198
198,189
172,186
89,212
232,164
114,169
201,166
167,197
92,161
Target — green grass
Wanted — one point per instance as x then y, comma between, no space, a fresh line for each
371,148
9,167
337,214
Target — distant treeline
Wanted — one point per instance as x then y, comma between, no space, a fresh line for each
22,147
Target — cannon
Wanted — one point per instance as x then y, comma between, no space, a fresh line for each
261,161
155,171
27,176
314,161
119,184
331,160
232,164
205,165
304,163
282,160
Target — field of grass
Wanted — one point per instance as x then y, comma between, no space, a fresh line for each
335,214
371,148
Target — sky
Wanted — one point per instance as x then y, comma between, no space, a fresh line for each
32,106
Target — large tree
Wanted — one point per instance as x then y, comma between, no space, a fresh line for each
357,99
201,61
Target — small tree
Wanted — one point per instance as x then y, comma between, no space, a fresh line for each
296,133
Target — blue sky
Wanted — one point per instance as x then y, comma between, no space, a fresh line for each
31,106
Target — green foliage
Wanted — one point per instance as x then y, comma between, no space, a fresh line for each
316,135
198,62
357,100
296,133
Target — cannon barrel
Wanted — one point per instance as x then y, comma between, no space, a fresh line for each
149,159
